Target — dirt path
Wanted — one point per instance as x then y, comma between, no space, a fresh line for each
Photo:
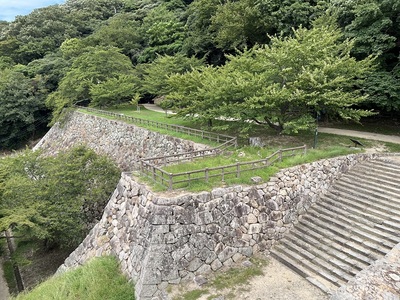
280,283
4,295
360,134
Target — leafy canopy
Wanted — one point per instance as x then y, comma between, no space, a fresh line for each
47,197
282,85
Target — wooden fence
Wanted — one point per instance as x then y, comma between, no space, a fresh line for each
211,136
169,180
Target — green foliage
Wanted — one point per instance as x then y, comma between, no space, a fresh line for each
244,23
45,197
21,107
48,70
92,73
162,32
100,278
375,27
155,75
383,90
121,31
200,36
281,85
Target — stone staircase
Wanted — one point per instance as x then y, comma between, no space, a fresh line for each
355,223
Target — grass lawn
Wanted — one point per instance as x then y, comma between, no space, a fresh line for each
100,278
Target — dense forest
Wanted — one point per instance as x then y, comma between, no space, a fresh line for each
278,63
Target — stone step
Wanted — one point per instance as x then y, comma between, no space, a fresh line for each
355,223
381,163
371,190
334,242
374,169
343,267
296,263
389,182
367,221
375,185
376,211
325,246
361,225
365,191
379,208
356,242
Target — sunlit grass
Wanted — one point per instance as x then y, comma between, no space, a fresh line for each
98,279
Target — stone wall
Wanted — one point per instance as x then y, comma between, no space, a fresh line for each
122,142
161,239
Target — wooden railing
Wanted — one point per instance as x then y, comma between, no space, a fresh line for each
150,169
211,136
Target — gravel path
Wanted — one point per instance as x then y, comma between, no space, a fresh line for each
4,295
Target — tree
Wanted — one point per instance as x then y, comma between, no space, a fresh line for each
120,31
282,85
375,27
46,198
245,23
199,36
95,66
22,108
155,74
163,33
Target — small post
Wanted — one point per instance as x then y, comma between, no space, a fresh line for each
206,174
280,155
237,170
170,181
315,138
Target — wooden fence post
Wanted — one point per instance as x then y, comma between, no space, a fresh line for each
170,181
206,174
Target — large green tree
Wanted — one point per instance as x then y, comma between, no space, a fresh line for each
282,85
46,198
375,27
96,69
155,75
22,107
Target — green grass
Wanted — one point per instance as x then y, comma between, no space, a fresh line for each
192,295
242,155
100,278
238,276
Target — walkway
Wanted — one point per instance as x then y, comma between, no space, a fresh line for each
360,134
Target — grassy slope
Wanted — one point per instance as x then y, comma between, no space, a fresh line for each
98,279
